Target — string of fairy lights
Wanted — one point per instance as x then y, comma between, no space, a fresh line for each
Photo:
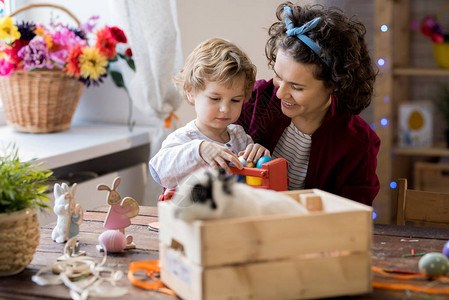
384,122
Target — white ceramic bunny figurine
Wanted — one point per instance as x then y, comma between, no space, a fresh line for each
70,214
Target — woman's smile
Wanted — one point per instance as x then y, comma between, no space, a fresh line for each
287,104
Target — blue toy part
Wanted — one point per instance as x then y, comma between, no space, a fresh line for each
262,160
240,178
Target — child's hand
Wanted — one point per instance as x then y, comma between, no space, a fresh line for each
253,152
218,156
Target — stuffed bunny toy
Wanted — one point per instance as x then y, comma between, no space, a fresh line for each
210,194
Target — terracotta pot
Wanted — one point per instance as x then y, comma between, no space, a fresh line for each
19,238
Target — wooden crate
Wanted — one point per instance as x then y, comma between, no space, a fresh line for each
432,177
321,254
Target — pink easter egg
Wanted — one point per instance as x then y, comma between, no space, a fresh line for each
113,240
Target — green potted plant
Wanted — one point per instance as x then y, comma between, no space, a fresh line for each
441,100
22,191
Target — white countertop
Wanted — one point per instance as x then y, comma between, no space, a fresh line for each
78,143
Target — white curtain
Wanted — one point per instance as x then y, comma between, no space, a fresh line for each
153,35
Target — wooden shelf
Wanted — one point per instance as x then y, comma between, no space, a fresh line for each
435,151
395,46
420,72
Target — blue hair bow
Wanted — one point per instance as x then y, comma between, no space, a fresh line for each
299,32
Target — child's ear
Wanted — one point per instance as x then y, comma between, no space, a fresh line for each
190,96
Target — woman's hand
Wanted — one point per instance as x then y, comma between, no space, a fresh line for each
218,156
253,152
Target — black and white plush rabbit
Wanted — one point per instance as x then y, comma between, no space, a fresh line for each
210,194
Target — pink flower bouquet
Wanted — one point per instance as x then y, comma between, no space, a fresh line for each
28,46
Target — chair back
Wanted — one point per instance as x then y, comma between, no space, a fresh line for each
420,208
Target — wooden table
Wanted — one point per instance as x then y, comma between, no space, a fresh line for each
20,286
390,242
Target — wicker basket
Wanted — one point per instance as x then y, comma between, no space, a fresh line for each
40,101
19,238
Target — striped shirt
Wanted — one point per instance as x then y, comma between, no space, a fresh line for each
294,146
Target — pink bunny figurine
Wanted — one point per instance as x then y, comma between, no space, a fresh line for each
120,211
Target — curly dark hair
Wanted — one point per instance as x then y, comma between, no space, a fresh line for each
342,41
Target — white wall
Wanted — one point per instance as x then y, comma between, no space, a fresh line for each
244,22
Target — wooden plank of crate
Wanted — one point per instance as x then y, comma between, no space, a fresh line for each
271,238
294,278
331,202
182,276
344,225
183,233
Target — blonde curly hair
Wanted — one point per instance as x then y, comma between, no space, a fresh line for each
216,60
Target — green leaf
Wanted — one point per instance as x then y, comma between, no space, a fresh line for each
128,60
131,64
117,78
22,184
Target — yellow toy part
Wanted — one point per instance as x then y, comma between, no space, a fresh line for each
252,180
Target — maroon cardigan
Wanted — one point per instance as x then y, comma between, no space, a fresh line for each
343,157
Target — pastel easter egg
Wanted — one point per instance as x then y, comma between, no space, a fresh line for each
113,240
262,160
434,264
446,249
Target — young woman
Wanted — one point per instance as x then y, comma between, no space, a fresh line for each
308,113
